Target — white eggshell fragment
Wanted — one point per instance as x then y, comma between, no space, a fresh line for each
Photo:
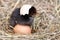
25,9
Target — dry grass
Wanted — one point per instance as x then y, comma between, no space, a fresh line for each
47,22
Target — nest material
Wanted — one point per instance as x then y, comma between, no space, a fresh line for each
46,23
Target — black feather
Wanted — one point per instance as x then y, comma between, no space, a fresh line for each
16,18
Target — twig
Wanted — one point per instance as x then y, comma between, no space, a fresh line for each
57,7
2,1
16,5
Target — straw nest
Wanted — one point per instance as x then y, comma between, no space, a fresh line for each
46,23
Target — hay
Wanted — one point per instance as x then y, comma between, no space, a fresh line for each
46,22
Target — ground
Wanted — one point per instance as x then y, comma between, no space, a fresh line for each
46,22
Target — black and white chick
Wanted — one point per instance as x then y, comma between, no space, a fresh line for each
23,15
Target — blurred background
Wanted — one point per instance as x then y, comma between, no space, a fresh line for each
46,23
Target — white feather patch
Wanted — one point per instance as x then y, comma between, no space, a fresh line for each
25,9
